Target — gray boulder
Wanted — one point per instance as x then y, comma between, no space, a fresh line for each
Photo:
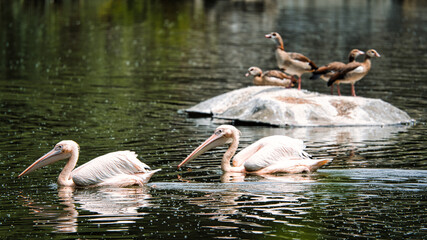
290,107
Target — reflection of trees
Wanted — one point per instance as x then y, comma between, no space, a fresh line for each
110,205
367,201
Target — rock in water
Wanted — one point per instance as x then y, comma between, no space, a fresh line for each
290,107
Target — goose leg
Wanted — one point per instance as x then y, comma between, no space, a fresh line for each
353,91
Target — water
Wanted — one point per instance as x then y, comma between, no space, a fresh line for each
115,75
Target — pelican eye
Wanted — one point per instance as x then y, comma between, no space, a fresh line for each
219,131
59,147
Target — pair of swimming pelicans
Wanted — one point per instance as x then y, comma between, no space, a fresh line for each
273,154
296,64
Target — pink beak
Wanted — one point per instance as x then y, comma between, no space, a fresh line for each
212,142
53,156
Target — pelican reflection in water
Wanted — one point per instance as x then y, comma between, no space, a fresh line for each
268,155
107,205
119,169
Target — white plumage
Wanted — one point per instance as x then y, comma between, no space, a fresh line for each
120,169
267,155
108,166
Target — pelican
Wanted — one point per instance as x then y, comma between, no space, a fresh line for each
268,155
119,169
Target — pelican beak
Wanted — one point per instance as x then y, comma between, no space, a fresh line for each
247,74
213,141
268,35
50,157
361,52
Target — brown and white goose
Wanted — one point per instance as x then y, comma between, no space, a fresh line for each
354,71
290,62
326,72
270,78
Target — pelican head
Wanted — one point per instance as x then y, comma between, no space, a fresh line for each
224,134
254,71
62,150
372,53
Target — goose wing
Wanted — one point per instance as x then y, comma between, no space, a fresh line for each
348,68
277,74
302,59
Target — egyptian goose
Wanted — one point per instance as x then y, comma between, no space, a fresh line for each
354,71
270,78
292,63
325,72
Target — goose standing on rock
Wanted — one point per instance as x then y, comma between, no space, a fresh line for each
290,62
354,71
326,72
270,78
274,154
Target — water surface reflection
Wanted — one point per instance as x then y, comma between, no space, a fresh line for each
334,203
97,205
114,75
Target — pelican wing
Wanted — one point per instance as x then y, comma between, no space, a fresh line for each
108,166
269,151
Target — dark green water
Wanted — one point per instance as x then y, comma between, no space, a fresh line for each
115,75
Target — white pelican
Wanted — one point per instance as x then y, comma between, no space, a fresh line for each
267,155
118,169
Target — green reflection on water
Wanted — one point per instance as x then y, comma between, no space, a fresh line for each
111,75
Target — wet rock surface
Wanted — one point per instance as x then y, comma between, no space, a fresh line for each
290,107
